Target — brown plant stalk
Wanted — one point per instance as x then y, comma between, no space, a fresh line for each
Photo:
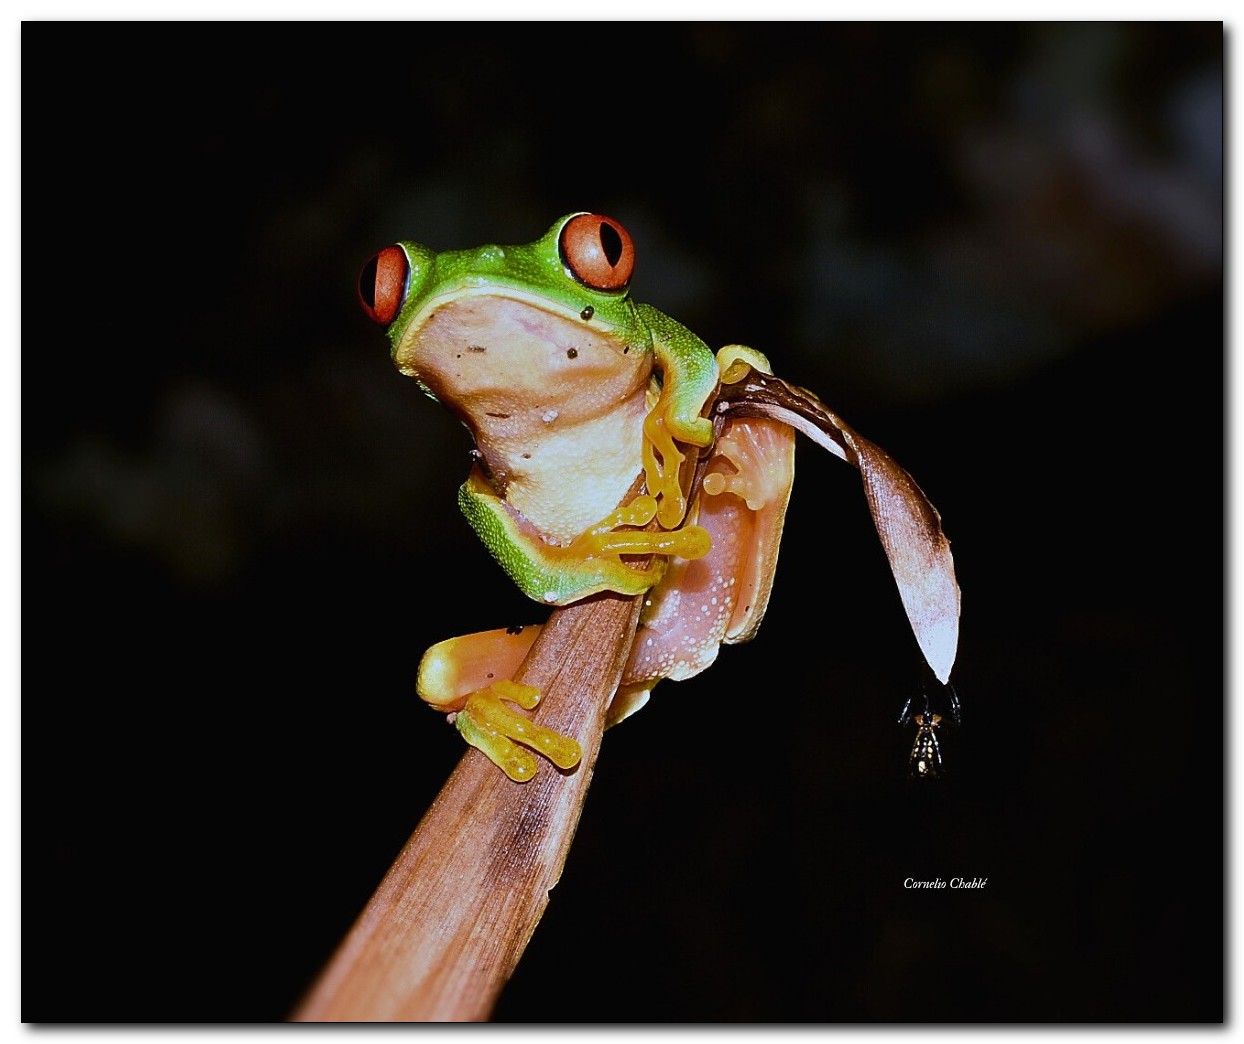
445,929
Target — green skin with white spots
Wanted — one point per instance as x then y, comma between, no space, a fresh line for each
554,379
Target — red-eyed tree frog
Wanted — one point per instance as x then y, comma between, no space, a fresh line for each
616,452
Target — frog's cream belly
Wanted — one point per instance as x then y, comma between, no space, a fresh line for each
571,477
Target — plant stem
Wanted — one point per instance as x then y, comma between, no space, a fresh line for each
445,929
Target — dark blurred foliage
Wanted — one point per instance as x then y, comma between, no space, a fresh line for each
995,249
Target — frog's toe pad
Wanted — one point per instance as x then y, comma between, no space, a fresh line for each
492,728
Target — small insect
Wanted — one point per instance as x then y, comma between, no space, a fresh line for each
925,761
926,752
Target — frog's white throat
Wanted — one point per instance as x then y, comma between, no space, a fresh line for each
556,404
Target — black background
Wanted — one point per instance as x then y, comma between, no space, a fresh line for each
995,249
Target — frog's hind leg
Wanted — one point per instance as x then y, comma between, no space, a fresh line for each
469,677
453,669
627,700
720,597
756,463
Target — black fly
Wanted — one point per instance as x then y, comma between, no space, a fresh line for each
925,761
926,752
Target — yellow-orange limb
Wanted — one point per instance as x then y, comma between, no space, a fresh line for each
663,469
453,669
605,538
735,361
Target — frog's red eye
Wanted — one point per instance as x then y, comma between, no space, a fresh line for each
598,251
382,284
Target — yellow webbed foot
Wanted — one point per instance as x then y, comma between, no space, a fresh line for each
468,676
495,730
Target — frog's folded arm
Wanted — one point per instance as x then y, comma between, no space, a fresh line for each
588,565
689,377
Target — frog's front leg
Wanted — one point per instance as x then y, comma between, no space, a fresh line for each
592,562
470,678
689,377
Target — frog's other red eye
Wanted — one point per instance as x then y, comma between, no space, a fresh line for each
598,251
382,284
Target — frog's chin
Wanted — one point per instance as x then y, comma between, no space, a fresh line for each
537,312
515,349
